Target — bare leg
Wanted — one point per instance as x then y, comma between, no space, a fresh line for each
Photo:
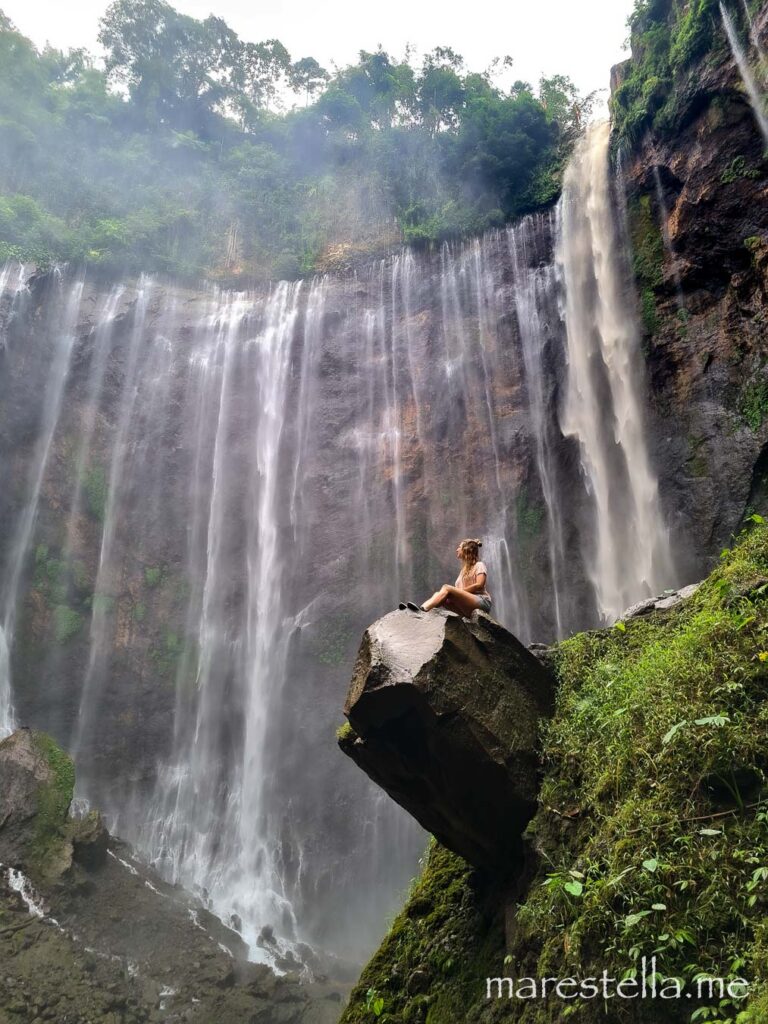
454,599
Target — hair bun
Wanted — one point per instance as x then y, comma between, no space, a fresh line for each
479,543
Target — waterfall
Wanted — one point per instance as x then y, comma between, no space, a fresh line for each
750,84
22,535
224,488
753,33
669,247
535,294
602,408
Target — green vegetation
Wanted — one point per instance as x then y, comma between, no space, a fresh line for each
754,401
529,518
647,257
652,826
333,646
166,655
345,732
153,575
53,804
667,39
433,963
736,169
66,623
95,487
176,157
654,798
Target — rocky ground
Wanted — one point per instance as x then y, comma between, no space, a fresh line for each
89,935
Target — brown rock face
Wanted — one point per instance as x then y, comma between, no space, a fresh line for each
446,716
698,211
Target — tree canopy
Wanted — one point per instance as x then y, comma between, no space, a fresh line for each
192,151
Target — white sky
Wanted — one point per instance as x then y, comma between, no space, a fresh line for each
580,39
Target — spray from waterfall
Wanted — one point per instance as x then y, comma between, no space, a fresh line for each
750,84
629,556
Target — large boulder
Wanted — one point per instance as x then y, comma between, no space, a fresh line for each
36,784
444,714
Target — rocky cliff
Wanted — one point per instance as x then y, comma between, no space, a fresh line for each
694,167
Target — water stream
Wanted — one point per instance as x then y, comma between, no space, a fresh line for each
756,97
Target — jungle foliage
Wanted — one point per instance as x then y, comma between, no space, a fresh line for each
669,38
176,153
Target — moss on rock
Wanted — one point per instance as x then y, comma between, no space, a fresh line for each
49,849
432,964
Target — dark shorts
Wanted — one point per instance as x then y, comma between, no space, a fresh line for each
483,603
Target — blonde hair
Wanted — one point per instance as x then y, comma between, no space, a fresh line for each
470,553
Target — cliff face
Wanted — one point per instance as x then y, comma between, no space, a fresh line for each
697,204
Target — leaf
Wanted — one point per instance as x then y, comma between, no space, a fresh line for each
668,736
620,626
632,919
577,874
574,888
650,865
713,720
710,831
659,906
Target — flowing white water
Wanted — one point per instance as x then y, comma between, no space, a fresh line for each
63,343
603,403
753,35
274,472
535,288
756,98
107,586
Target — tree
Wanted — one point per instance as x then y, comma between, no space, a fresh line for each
178,70
307,76
565,105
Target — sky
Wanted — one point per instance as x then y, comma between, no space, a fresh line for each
544,37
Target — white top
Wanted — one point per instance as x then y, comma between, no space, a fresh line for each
469,579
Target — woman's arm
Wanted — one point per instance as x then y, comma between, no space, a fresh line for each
478,586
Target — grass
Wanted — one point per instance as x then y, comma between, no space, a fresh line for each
66,623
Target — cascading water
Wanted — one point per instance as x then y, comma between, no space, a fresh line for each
22,534
753,33
226,488
602,407
756,98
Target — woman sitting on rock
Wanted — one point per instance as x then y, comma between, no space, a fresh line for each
468,593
